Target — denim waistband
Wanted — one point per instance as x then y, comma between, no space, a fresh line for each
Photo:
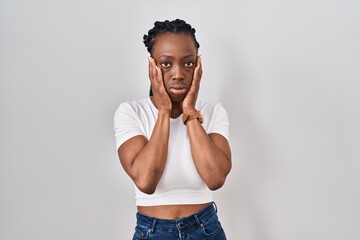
195,220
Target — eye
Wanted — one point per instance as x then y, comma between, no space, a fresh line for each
189,64
165,64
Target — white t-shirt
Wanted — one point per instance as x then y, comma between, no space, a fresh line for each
180,182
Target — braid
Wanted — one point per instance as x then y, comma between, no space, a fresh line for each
175,26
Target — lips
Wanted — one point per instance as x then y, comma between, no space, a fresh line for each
177,89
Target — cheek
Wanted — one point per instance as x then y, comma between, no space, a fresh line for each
190,74
166,78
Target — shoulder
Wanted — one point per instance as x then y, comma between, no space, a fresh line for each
215,118
207,107
134,104
133,107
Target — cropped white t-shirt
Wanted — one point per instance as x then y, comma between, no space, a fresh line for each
180,182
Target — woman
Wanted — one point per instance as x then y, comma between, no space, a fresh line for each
174,147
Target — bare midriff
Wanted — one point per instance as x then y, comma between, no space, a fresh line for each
171,212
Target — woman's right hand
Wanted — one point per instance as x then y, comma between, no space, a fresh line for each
160,95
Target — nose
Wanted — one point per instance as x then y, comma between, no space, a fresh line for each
177,72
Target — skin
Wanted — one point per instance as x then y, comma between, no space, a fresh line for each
175,73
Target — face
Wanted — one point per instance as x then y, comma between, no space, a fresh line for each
175,54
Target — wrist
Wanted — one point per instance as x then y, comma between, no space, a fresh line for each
194,115
189,110
164,113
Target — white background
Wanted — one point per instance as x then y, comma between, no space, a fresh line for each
287,72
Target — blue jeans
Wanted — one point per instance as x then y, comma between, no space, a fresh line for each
201,225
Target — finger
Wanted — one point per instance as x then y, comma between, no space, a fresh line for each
159,77
149,67
157,74
197,72
152,70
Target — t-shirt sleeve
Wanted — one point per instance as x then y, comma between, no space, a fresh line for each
126,124
220,122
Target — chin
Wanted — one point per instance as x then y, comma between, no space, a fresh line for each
177,98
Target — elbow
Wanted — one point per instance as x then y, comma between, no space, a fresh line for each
146,188
147,183
216,184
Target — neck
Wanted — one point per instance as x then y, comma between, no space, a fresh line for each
176,109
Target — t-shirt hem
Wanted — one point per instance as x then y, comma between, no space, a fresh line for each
160,202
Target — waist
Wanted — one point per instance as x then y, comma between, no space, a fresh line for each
171,212
185,222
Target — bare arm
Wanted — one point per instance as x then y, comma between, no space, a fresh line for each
144,160
211,153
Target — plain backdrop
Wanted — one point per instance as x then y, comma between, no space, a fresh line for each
288,73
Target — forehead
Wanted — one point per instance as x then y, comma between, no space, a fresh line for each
173,44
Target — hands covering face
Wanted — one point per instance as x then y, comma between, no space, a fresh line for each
160,94
190,99
161,97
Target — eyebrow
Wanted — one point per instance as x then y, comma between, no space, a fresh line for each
168,56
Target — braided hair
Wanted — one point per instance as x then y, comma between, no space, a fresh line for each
175,26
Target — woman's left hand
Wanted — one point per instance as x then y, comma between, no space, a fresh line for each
189,102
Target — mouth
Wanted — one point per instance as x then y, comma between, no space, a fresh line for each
178,90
